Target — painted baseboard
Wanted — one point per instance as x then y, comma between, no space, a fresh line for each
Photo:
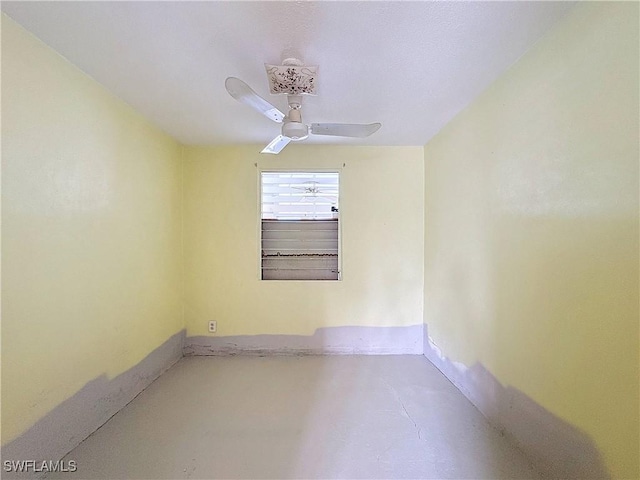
350,340
62,429
556,448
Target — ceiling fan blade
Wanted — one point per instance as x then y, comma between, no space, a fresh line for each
243,93
276,145
345,129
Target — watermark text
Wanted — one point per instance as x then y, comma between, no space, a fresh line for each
39,466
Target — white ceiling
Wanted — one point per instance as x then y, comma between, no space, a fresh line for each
410,65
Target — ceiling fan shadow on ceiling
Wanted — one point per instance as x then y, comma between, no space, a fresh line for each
293,80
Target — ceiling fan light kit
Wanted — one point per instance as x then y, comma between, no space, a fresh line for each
293,79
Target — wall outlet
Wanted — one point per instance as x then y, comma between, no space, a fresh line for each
213,327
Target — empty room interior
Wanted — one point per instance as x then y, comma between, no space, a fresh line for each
204,276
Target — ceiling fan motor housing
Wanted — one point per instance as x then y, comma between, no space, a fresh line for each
295,130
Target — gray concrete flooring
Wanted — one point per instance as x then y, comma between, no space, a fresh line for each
299,417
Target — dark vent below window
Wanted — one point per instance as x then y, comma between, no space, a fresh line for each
300,250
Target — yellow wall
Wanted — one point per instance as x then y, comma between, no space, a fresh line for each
91,232
381,208
531,250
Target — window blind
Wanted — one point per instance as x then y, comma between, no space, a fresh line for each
299,195
300,226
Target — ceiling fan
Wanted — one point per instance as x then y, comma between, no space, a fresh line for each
294,80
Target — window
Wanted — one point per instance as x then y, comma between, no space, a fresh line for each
300,226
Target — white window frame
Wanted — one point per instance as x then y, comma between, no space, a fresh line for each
262,170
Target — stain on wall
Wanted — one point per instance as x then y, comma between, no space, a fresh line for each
77,417
324,341
381,215
557,449
91,232
532,230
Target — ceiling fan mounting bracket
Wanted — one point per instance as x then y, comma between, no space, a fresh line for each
292,62
294,101
292,78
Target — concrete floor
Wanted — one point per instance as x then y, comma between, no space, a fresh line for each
299,417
